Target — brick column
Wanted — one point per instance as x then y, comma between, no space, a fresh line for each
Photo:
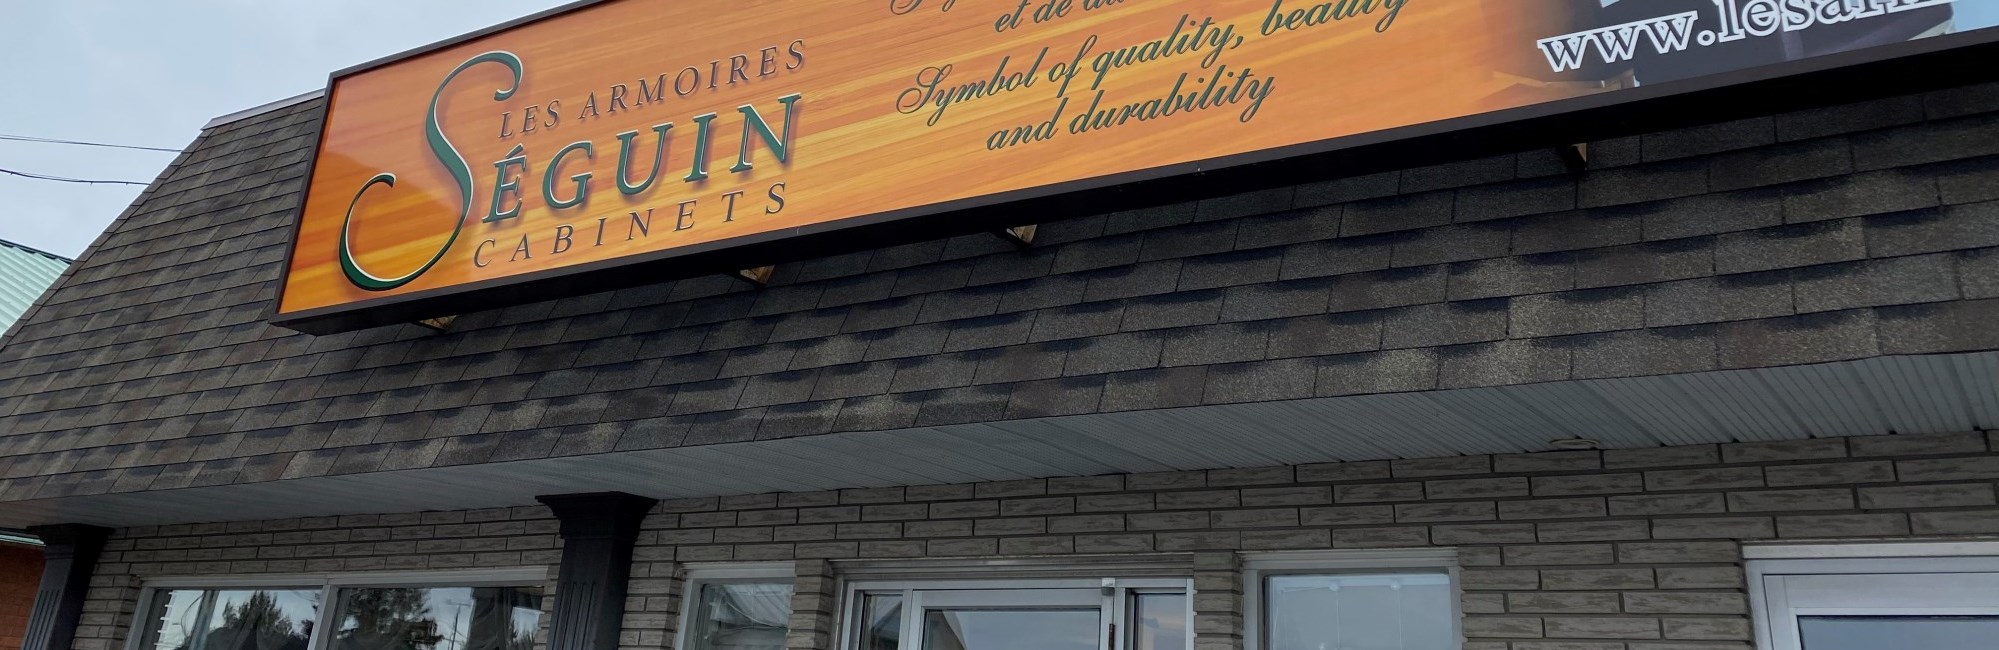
813,601
70,557
1217,601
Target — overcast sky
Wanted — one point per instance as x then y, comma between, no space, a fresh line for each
152,72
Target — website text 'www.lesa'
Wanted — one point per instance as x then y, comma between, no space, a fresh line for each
1740,19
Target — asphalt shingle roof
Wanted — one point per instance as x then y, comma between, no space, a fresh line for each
24,274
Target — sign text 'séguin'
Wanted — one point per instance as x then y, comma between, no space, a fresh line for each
633,127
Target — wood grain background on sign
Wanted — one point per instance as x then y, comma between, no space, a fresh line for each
854,154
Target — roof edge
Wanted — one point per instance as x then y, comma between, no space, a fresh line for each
37,251
266,108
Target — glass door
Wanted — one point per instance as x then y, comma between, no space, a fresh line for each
1932,611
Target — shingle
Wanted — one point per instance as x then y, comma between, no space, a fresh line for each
1230,343
654,433
1178,309
513,416
1154,389
791,420
1377,372
1382,289
1709,300
962,405
1351,188
1440,324
1021,363
1928,142
1969,181
1128,221
933,372
989,332
1230,269
1848,118
1952,228
1013,265
1511,276
1098,253
1640,353
1114,353
1338,257
1853,195
1516,199
580,409
1790,246
1325,334
1878,282
809,325
1130,281
1708,138
1406,212
882,314
1810,338
1567,231
907,342
1289,227
722,427
1647,263
1092,319
1188,241
1501,363
1640,183
1574,312
1260,381
757,361
1978,273
854,380
1042,293
707,396
1942,327
1458,174
1054,397
1276,299
877,413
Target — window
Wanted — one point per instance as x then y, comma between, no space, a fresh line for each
1052,614
737,607
474,610
1936,596
1389,600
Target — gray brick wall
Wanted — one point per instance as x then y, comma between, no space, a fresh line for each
1830,234
1625,550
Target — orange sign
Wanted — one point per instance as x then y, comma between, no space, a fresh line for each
631,129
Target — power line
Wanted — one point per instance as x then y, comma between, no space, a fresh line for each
29,138
63,179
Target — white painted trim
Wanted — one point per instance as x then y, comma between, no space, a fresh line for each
1767,566
1870,550
254,111
1356,561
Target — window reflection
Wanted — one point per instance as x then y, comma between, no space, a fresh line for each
438,618
741,617
1371,611
242,619
881,622
1873,632
1010,629
1159,622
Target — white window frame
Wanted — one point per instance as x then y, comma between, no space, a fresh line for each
1776,618
1256,566
329,586
706,573
1110,595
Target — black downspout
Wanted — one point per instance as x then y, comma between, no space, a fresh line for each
598,531
69,554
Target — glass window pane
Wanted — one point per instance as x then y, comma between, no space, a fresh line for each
438,618
233,619
881,622
1359,612
1011,629
1159,622
741,617
1875,632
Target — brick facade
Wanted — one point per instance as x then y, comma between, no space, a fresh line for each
1612,550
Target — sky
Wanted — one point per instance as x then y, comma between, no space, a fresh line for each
152,72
